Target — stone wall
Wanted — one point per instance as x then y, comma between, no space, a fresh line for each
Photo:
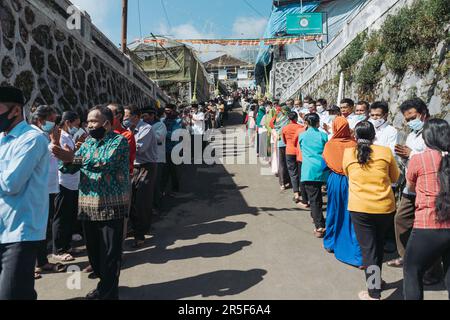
69,69
432,86
321,77
284,75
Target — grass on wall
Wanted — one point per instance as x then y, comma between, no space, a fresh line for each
406,39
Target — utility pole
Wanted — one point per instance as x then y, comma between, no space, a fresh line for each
124,25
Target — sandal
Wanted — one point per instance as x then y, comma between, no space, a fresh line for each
88,269
37,276
319,233
65,257
51,267
138,244
396,263
303,206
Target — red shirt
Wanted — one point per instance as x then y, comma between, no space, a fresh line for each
290,137
422,171
131,142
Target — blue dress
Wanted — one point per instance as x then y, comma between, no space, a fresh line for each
340,235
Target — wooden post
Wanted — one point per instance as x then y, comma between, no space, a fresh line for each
124,25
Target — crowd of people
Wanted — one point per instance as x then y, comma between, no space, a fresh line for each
379,186
97,179
102,178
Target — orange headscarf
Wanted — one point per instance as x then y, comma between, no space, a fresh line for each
333,153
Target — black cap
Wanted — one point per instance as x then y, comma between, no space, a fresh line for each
150,110
11,95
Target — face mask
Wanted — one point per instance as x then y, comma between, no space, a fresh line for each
127,123
5,123
360,117
333,117
48,126
73,131
98,133
320,109
377,123
416,125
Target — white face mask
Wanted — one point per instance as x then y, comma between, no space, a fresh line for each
333,117
378,122
320,109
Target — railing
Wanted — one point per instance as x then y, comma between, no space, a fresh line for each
367,17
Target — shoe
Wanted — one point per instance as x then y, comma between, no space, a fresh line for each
92,276
364,295
77,237
431,281
93,295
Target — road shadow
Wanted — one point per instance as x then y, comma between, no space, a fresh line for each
398,292
224,283
162,255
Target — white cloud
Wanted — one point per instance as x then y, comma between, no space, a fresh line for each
249,27
98,9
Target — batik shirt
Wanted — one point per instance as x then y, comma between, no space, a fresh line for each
104,182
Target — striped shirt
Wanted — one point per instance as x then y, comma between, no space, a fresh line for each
422,171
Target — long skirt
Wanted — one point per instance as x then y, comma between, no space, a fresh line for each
340,236
274,152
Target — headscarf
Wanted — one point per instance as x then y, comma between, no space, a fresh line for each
333,154
282,120
272,112
260,116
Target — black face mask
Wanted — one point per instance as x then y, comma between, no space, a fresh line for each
98,134
6,123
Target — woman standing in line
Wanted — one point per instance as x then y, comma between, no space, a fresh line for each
313,176
371,171
340,236
429,176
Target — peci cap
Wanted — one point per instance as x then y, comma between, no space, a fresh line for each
12,95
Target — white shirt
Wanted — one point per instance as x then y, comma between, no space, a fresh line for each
352,121
198,120
386,136
69,181
53,179
161,133
416,143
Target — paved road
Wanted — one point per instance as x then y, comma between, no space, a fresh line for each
231,234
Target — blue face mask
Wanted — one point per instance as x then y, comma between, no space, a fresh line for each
416,125
360,117
127,123
73,131
48,126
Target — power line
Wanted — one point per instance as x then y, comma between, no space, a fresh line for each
139,13
254,9
165,12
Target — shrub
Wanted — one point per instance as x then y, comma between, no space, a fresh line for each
353,53
369,74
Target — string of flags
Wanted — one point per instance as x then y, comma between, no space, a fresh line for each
234,42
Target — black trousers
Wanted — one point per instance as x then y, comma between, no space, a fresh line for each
64,221
143,187
371,232
42,253
425,247
292,165
283,172
314,192
304,194
170,172
104,246
157,199
17,262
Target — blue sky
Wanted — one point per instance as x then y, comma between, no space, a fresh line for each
188,18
